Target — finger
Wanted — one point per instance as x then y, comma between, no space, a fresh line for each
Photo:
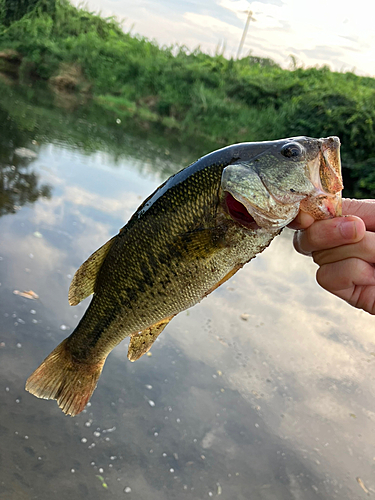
363,249
302,221
341,277
329,233
365,209
352,281
363,297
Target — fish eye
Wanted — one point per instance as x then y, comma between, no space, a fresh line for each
291,150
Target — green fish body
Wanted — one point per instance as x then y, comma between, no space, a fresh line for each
191,235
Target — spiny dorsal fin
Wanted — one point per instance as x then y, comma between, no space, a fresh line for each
83,281
141,342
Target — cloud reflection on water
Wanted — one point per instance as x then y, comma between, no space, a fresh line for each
279,406
303,357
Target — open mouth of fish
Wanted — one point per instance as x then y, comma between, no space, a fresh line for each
239,213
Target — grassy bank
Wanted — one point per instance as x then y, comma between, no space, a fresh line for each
190,94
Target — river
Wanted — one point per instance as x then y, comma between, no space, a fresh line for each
264,391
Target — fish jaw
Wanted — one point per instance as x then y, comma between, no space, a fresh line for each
325,174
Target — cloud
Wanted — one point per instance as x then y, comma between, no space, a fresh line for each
304,26
303,357
212,23
123,206
322,52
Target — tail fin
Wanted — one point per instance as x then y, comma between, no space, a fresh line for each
62,378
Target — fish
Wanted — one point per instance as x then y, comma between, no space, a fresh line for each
190,236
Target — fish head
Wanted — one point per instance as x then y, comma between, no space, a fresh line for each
270,182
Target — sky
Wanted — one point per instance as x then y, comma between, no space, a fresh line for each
336,33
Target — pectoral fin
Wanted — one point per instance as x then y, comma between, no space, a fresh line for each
140,343
83,281
200,243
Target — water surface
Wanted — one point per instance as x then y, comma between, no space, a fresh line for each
263,391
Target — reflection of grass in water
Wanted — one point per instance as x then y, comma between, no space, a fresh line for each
18,183
31,114
127,109
18,187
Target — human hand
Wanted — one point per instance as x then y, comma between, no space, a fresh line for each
344,249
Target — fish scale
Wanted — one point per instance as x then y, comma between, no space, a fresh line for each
191,235
160,295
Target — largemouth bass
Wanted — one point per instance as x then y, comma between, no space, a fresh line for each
186,239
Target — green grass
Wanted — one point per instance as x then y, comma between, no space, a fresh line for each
192,94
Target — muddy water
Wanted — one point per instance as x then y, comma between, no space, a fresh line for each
263,391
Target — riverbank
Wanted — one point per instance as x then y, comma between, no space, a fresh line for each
191,94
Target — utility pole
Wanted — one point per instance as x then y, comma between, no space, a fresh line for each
249,18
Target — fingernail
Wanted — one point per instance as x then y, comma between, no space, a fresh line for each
348,229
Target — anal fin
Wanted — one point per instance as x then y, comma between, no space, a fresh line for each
141,342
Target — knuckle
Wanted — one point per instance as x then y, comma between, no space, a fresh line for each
322,277
368,246
319,257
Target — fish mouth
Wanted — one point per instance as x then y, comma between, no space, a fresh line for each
248,214
325,175
238,212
